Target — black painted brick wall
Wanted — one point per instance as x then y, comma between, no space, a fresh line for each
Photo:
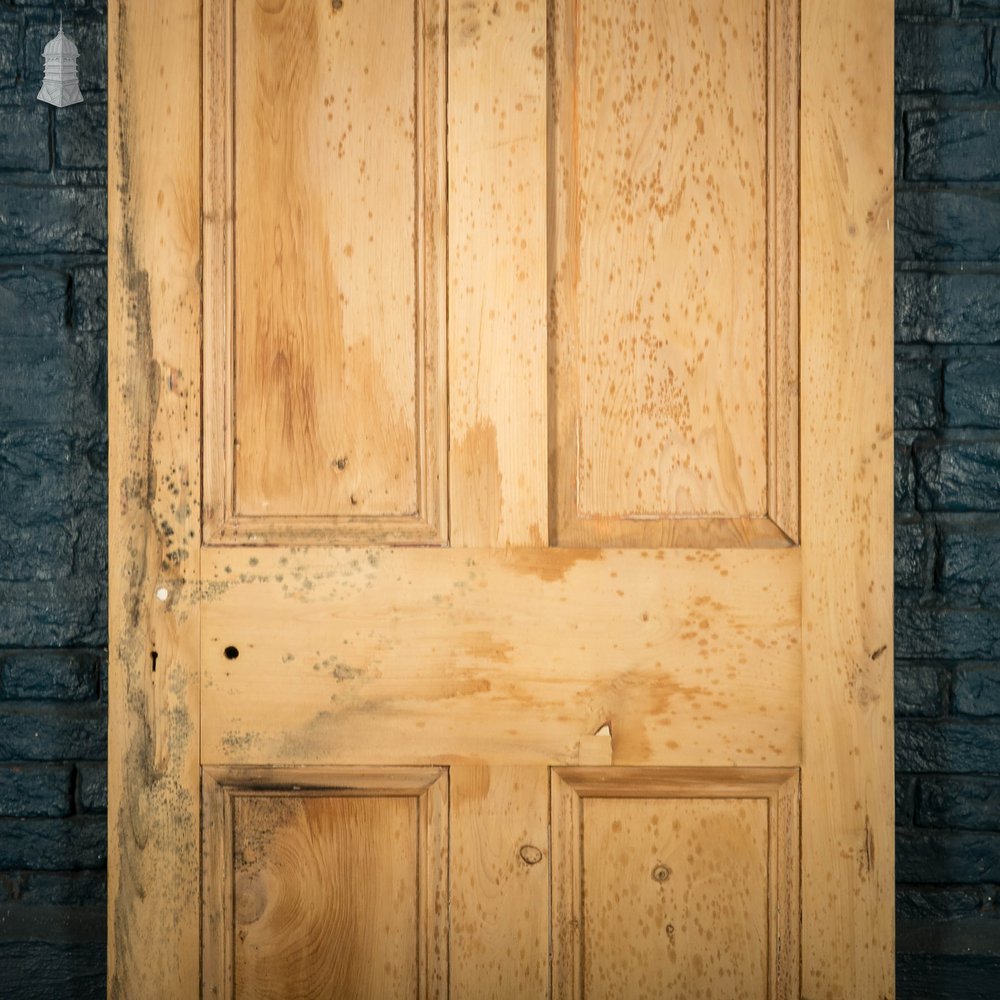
53,563
53,491
948,498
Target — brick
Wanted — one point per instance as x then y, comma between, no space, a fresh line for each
904,479
84,6
54,385
905,792
93,788
81,137
958,475
30,554
942,58
71,612
953,144
953,633
923,8
90,299
36,790
976,690
50,219
943,902
45,733
10,51
942,857
969,554
45,970
917,392
104,680
51,382
947,977
34,303
52,490
972,391
89,35
956,746
920,689
54,925
90,552
75,889
53,844
24,136
959,803
61,675
914,555
954,308
947,225
46,474
976,935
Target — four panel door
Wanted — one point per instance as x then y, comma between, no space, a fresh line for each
503,463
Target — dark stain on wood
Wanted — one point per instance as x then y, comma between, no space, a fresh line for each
147,801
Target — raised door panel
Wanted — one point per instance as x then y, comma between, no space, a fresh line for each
675,883
325,884
673,244
324,278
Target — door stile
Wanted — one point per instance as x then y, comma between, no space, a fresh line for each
154,371
499,861
498,468
847,496
497,297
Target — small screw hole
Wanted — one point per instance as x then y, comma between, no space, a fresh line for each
230,652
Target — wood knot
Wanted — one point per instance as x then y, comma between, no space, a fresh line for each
661,873
530,854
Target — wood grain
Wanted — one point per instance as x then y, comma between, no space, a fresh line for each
665,883
325,279
783,444
505,656
497,345
673,334
154,308
704,927
679,627
325,896
329,887
499,881
847,497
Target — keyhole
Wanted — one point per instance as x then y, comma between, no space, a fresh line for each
230,652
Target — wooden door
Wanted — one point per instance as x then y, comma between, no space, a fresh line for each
501,499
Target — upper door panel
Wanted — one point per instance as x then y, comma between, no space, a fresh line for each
623,369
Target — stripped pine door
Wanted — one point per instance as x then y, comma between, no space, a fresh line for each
501,499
